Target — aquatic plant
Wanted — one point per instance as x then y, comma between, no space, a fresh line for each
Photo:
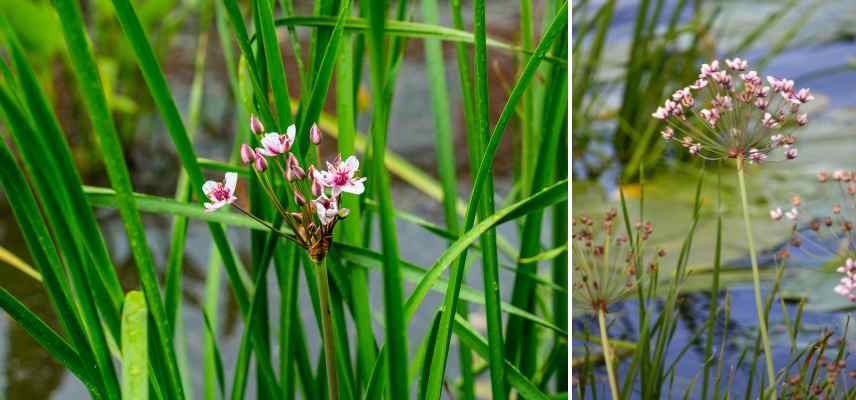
722,117
311,221
606,269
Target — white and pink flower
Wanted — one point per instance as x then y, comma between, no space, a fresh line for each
736,64
220,193
340,176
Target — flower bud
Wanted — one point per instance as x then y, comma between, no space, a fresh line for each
248,155
791,153
315,134
299,199
343,212
256,125
317,187
261,163
293,170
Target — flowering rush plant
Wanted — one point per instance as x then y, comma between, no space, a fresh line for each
829,234
732,113
606,266
729,112
313,209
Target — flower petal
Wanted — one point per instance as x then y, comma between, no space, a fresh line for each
352,164
209,187
230,182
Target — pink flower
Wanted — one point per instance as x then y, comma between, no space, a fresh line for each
802,119
722,102
710,116
326,208
340,176
668,133
708,69
756,156
848,267
660,113
780,85
695,149
699,83
274,144
751,77
848,282
722,78
736,64
776,140
220,193
769,121
776,214
793,214
801,97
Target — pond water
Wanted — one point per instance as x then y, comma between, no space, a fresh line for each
816,59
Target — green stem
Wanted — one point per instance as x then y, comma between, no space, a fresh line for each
327,327
756,278
607,353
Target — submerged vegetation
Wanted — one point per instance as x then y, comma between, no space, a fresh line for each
347,317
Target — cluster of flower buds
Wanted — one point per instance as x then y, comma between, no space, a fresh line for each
311,221
606,266
722,116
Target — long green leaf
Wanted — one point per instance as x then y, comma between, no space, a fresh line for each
135,356
519,333
45,336
92,92
350,227
275,68
523,385
93,347
406,29
396,341
41,248
483,178
156,82
549,196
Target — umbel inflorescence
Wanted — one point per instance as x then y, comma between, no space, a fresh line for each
606,266
732,113
312,206
829,235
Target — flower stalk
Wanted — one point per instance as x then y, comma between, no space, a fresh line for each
607,353
756,277
311,216
327,329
